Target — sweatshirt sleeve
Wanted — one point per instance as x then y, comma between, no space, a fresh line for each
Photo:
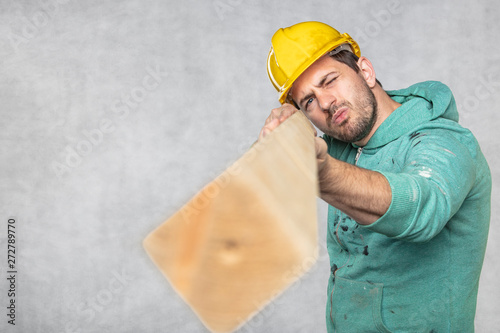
435,179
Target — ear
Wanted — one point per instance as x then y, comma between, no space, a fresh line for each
367,71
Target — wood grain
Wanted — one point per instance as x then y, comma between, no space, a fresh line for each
247,235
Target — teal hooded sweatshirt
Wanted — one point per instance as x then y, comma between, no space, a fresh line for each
416,269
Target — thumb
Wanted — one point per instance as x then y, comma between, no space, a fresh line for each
321,147
321,153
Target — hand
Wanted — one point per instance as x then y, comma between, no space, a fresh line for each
322,157
276,117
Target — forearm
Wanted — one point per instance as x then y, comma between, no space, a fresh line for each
362,194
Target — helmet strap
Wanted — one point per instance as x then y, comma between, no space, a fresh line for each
343,47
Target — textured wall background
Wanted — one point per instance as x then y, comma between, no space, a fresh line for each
115,113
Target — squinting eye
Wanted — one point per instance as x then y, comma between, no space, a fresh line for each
331,81
309,101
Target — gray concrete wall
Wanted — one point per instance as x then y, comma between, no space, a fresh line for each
115,113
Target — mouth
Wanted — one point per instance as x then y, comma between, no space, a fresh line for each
340,115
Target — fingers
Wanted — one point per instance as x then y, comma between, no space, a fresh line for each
281,113
276,117
286,110
271,125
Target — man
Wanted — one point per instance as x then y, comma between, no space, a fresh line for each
408,188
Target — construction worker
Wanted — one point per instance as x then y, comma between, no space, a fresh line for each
408,188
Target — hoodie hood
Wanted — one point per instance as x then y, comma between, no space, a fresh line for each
420,103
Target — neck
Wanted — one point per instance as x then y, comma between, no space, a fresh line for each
385,106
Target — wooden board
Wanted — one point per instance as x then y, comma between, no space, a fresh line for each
249,234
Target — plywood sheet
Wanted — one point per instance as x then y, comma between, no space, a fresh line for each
249,234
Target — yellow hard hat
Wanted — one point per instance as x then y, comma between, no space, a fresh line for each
296,48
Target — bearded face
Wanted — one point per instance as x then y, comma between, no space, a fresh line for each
360,117
337,100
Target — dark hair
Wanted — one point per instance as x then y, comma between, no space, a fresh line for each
349,59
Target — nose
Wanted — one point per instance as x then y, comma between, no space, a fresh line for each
325,100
